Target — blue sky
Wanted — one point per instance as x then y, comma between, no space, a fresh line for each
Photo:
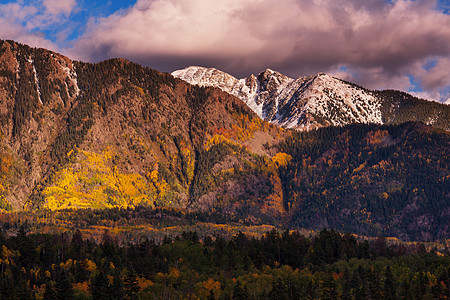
399,44
87,10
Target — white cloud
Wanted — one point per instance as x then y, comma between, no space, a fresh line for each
57,7
26,21
18,33
17,22
436,76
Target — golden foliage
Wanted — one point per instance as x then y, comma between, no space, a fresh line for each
375,138
6,161
204,288
144,283
361,166
82,288
244,130
281,159
93,181
217,139
90,266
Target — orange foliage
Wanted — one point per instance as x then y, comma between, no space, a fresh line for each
81,288
243,130
281,159
143,283
377,137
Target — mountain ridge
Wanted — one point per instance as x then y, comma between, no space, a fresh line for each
114,108
115,134
313,101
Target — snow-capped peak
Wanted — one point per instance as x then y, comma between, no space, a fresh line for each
303,103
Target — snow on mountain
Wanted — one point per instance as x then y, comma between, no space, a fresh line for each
303,103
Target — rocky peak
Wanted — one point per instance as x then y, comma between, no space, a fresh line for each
302,103
319,100
7,59
271,80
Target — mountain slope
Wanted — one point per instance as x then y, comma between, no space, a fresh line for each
116,134
76,135
399,107
388,180
315,101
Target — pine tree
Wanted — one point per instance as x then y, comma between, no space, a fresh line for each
389,285
117,291
329,287
240,293
100,286
374,284
131,285
23,291
211,295
76,248
278,290
355,284
50,293
63,287
346,288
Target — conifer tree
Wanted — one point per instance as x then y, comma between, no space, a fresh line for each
50,293
117,291
131,285
63,287
389,284
100,286
239,292
346,288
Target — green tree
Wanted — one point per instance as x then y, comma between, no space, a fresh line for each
279,291
117,290
63,287
131,285
389,284
239,292
50,293
100,286
329,290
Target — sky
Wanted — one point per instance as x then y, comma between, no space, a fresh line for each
379,44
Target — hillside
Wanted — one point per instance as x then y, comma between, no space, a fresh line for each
309,102
79,135
388,180
118,135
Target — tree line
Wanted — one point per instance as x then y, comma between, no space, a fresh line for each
277,265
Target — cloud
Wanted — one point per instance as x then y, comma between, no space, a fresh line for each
378,42
18,33
57,7
29,21
14,25
435,79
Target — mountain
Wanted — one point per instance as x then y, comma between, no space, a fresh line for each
119,135
370,179
77,135
321,100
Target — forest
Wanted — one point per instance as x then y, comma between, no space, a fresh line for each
369,179
121,182
277,265
117,135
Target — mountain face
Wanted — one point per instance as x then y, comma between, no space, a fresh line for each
116,134
77,135
315,101
370,179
